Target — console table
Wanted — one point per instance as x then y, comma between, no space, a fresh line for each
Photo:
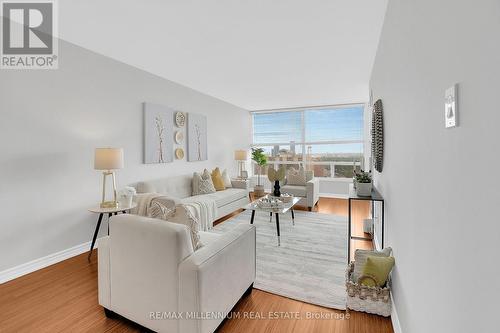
375,197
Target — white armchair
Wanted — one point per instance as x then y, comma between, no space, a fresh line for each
308,194
148,272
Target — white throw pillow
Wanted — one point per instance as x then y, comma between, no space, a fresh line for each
296,177
226,179
360,260
178,214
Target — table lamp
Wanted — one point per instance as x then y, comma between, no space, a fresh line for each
108,160
241,157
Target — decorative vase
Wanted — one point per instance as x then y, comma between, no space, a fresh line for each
364,189
277,192
125,200
258,190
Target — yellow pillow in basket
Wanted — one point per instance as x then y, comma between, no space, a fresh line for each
217,180
376,271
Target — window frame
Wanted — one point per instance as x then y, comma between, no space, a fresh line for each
304,144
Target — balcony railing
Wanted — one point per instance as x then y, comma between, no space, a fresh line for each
341,169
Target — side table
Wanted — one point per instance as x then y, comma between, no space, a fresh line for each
109,212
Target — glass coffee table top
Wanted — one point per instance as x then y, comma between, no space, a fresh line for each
281,210
287,207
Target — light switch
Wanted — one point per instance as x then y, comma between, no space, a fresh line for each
451,106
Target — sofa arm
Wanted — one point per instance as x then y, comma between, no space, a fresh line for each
214,278
103,272
312,192
241,183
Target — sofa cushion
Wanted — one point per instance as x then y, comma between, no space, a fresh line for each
177,187
225,197
295,190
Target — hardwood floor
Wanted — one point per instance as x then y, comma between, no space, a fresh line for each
63,298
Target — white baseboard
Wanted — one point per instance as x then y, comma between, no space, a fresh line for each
394,318
23,269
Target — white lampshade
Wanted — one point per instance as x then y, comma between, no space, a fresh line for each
108,158
240,155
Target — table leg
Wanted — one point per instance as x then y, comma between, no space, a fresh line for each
349,232
95,235
278,227
293,216
253,216
109,217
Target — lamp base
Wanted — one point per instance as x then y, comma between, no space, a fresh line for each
109,204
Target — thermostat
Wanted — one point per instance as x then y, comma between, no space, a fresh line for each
451,106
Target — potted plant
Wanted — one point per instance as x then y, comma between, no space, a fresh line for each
363,184
260,159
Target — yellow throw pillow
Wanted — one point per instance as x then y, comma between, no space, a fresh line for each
377,270
217,180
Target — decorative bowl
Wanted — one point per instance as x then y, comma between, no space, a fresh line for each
286,197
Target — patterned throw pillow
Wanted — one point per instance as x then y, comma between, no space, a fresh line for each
217,180
296,177
202,183
181,215
206,184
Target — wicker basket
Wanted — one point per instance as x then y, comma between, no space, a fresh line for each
374,300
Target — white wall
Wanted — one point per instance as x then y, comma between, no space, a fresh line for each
51,121
440,185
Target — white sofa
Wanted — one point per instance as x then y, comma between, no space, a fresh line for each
180,187
148,272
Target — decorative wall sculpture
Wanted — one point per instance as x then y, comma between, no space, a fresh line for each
378,136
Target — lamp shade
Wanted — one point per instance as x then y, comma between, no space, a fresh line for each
240,155
108,158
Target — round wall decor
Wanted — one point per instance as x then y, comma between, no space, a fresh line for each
179,153
180,119
378,136
179,137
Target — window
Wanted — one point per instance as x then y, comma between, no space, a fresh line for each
328,140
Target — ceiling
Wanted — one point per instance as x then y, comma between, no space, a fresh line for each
258,54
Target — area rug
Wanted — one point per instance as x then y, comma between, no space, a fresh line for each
309,265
